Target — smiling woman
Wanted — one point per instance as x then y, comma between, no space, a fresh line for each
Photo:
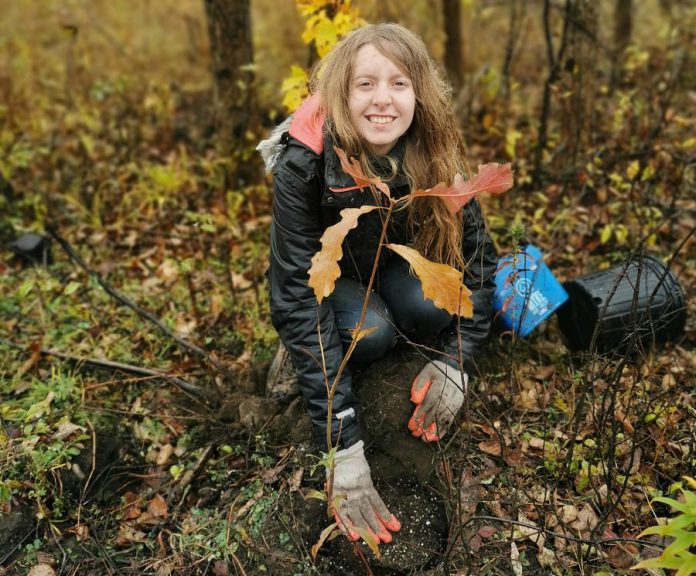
379,98
382,100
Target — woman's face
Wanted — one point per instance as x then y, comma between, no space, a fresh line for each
382,100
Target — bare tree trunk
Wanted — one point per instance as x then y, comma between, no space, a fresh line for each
454,64
623,30
517,9
579,81
229,28
554,63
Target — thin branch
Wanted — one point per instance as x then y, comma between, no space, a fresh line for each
75,257
183,385
564,536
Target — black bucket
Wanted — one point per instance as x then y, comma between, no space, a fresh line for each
638,301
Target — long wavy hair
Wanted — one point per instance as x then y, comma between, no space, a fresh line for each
434,150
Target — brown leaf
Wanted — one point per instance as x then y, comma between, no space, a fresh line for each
157,507
42,570
127,535
81,531
295,479
514,458
45,558
487,531
164,454
325,269
491,447
132,507
353,168
441,283
33,359
586,521
492,178
470,494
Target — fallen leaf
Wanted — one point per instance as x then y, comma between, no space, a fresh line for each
127,535
441,283
45,558
514,458
486,531
295,480
165,453
531,531
515,559
167,272
586,521
470,494
325,269
42,570
491,447
569,513
37,410
32,360
157,507
132,507
67,429
81,531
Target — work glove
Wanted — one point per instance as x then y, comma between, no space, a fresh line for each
438,393
355,502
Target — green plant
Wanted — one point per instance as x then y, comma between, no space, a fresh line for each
678,555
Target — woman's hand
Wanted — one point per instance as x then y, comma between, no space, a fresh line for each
356,505
438,393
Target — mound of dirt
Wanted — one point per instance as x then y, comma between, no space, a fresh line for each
403,470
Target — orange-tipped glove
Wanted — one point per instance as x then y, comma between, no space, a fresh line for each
438,393
356,504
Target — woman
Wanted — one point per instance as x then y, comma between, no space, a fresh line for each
377,96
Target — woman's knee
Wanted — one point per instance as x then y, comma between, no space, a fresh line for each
414,315
379,337
378,325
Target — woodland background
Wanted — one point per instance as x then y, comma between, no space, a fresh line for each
134,339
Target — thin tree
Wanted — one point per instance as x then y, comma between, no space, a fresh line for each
232,57
623,30
454,62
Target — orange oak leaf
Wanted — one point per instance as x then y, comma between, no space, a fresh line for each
352,166
441,283
325,269
492,178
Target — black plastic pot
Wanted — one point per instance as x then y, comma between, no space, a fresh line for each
639,301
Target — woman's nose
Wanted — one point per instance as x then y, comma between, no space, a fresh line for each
382,96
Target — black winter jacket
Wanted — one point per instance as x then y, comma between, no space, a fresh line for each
303,207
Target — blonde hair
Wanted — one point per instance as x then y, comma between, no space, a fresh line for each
434,149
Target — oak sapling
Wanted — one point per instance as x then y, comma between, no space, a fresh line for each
441,283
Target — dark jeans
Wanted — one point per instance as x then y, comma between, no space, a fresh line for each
397,303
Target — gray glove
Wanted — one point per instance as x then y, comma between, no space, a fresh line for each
355,502
438,393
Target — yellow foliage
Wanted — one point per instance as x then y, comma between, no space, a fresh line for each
325,31
322,31
295,88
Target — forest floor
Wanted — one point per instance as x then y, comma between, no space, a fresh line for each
135,437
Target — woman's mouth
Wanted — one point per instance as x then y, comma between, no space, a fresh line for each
380,119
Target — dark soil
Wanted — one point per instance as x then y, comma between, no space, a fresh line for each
402,470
